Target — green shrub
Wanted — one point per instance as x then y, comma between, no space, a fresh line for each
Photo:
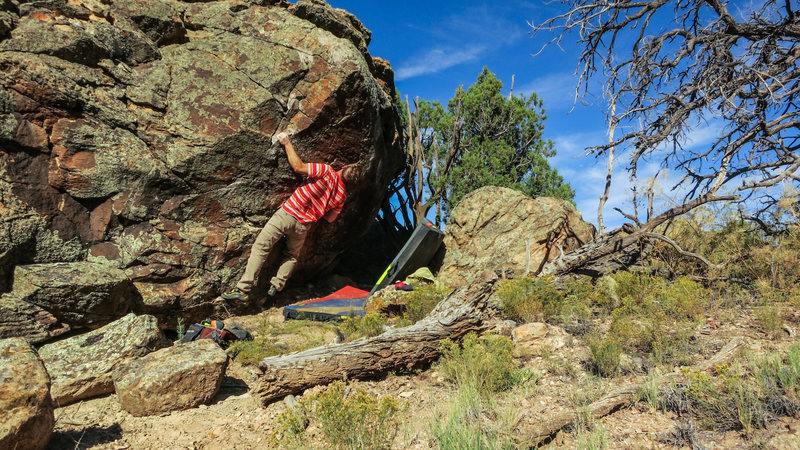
649,391
605,355
355,327
354,421
595,439
744,397
683,298
484,363
462,427
656,317
252,352
770,319
529,299
723,405
781,373
421,301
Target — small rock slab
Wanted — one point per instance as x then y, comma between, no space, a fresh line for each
25,402
26,320
172,379
78,293
81,366
530,339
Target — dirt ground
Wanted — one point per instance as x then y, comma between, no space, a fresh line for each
237,420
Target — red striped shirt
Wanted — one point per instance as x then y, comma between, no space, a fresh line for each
316,197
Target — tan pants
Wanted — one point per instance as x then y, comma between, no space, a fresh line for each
281,223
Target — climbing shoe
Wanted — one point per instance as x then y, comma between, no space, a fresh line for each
236,294
272,291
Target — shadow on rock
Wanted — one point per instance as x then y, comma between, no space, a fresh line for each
86,438
231,387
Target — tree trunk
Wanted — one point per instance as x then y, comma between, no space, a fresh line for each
533,433
617,250
402,348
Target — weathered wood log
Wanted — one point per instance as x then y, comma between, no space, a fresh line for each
401,348
534,433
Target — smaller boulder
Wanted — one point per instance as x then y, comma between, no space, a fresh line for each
77,293
172,379
28,418
503,230
81,366
26,320
532,338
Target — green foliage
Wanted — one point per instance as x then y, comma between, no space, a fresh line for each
529,299
770,320
459,429
648,391
348,420
491,139
421,301
650,315
483,363
252,352
181,329
356,421
279,339
532,299
781,373
595,439
742,397
480,367
605,355
769,263
355,327
657,317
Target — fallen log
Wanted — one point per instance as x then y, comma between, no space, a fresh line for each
397,349
535,433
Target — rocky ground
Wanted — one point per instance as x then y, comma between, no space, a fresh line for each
236,419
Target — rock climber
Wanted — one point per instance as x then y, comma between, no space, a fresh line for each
322,195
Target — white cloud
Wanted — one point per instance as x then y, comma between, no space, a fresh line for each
436,60
557,90
462,37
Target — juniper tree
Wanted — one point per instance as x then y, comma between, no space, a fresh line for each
481,138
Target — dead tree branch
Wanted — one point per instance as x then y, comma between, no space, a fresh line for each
736,72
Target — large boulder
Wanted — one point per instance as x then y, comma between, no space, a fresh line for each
138,132
81,366
171,379
503,230
25,402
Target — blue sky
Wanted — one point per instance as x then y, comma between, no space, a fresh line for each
435,46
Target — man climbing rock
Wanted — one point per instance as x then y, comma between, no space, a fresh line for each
322,195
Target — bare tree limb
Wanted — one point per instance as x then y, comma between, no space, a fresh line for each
682,251
738,69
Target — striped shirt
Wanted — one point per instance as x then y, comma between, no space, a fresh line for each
316,197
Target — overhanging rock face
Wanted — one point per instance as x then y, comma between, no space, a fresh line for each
139,132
